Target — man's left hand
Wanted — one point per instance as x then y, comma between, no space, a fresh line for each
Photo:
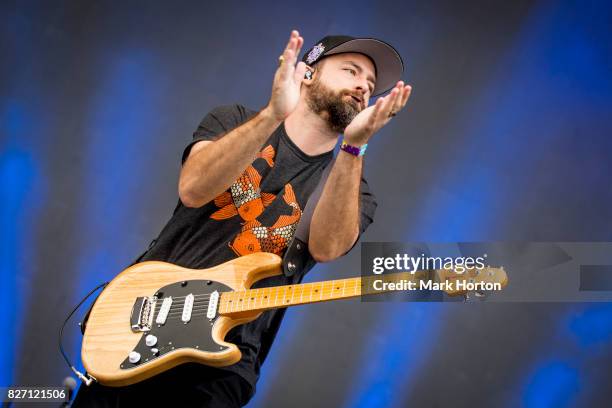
374,117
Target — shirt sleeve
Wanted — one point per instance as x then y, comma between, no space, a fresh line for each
215,124
367,206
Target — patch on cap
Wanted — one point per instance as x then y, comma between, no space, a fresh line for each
316,51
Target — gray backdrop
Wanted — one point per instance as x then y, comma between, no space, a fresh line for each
506,137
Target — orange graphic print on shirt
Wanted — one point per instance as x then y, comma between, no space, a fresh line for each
255,237
244,198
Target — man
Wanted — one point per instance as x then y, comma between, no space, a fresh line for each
245,181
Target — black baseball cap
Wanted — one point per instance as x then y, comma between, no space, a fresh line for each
387,61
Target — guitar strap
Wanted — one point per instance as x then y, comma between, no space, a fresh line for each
297,257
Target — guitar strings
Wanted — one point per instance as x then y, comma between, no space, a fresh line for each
322,284
203,297
202,305
199,301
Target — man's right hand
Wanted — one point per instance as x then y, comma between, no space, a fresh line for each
287,80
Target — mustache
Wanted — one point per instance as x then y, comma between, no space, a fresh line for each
357,97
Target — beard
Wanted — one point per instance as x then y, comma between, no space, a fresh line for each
331,106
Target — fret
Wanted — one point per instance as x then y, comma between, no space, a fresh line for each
337,295
254,297
276,297
351,289
301,293
260,298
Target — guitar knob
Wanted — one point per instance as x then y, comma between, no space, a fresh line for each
155,351
150,340
134,357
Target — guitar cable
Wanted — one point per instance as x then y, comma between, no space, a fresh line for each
86,378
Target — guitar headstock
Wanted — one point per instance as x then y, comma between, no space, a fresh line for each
472,280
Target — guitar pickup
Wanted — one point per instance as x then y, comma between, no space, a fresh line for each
162,315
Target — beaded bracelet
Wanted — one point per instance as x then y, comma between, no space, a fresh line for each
354,150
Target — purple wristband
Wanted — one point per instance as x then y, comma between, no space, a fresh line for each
354,150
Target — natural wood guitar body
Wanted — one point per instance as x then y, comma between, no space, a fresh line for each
108,337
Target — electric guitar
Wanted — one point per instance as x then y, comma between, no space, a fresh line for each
156,315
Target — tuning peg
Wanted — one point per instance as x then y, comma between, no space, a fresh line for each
480,294
470,297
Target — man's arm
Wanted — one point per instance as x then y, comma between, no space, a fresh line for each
212,167
335,222
334,227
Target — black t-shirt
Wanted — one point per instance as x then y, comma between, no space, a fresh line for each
259,212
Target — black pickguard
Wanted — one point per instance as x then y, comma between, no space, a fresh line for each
174,334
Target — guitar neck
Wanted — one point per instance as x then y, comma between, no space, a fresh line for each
291,295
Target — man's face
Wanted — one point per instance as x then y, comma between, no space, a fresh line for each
341,88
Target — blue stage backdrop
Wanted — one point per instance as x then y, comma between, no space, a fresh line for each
507,137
